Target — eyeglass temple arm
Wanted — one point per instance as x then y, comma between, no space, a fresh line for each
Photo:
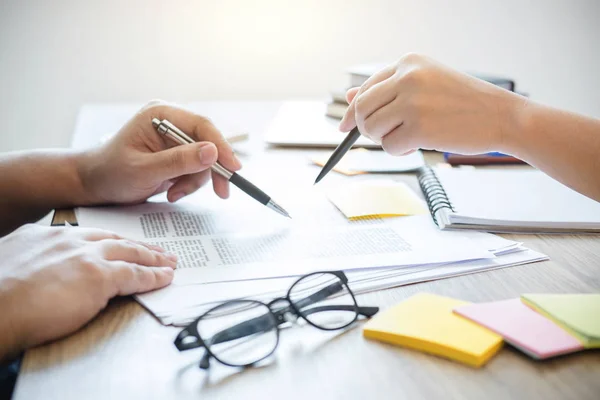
261,324
364,311
243,329
240,331
264,323
320,295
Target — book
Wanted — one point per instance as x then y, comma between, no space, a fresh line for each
360,73
338,105
426,322
339,96
480,159
526,201
336,110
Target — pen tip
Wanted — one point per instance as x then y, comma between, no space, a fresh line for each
278,209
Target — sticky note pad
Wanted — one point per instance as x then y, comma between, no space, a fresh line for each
522,327
426,322
376,199
579,314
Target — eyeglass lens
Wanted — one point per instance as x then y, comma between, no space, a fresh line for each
324,300
239,332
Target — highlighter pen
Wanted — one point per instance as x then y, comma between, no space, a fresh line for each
166,128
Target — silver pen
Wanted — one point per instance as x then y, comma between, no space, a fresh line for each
166,128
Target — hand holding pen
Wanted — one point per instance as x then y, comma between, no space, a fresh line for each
138,162
172,132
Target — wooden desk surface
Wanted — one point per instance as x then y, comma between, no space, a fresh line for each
125,353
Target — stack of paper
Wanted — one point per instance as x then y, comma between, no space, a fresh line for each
179,303
426,322
239,249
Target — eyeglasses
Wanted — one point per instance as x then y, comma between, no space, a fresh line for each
240,333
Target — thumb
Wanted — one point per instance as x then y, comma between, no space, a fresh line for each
183,160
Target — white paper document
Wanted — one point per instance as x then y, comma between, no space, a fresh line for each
237,240
179,305
238,248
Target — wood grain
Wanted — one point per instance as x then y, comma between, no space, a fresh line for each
125,353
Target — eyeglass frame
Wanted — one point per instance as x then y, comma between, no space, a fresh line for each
278,317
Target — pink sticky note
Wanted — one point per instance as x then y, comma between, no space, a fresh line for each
522,327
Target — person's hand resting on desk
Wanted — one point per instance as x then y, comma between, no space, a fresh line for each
419,103
55,280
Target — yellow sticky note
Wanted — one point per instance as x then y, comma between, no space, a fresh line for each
343,166
426,322
376,199
578,314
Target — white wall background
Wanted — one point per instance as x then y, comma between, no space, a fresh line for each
56,55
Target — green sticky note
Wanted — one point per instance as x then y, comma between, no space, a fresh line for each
579,314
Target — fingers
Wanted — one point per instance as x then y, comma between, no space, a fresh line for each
129,278
220,186
199,128
381,122
398,142
132,252
187,184
348,122
93,234
183,160
351,93
375,100
150,246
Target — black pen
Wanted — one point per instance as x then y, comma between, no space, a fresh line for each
166,128
339,152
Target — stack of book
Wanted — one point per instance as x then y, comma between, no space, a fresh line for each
338,105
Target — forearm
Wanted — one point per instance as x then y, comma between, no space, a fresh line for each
564,145
34,182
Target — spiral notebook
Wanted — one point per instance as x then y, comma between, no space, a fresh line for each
505,201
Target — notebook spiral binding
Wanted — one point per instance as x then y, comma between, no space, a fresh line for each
434,192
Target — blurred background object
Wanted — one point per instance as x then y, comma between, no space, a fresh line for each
57,55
